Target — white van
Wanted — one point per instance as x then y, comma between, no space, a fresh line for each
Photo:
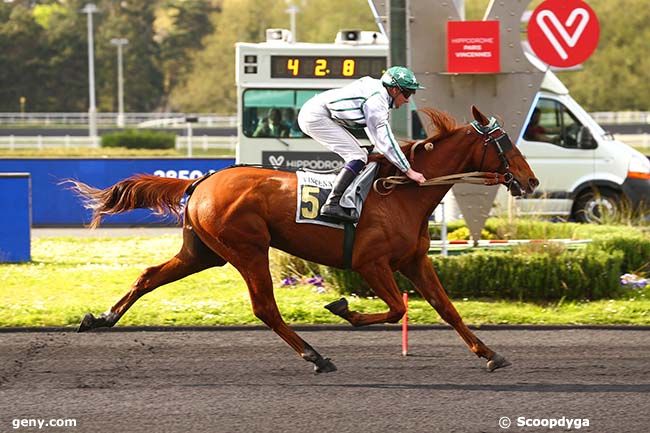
583,171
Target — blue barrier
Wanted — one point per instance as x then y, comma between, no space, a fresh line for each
54,205
15,224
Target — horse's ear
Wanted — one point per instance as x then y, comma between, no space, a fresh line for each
479,117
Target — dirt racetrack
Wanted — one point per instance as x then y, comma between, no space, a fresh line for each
250,381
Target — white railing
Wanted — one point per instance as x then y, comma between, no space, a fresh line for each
198,141
13,142
621,117
172,120
204,142
151,120
204,121
634,140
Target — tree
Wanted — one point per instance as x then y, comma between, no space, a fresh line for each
181,26
211,85
616,76
65,56
22,59
44,55
185,50
319,21
143,87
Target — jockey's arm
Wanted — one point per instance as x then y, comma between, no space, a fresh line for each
382,135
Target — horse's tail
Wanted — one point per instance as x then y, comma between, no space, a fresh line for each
142,191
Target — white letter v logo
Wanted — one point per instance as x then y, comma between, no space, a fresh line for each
571,40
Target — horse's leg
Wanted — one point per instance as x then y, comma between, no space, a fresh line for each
381,280
193,257
252,261
423,275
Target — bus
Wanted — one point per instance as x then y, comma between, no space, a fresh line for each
275,78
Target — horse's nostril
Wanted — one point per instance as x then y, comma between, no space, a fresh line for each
533,182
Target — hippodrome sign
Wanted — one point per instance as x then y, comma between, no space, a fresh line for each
563,33
473,47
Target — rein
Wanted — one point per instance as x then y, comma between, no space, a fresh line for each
502,143
389,183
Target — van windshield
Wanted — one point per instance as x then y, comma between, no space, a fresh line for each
552,122
588,120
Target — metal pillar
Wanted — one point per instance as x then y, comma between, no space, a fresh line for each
508,94
120,42
292,11
398,54
90,9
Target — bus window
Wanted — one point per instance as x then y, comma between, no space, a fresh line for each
269,98
273,112
303,96
268,113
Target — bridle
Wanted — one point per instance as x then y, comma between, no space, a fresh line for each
493,133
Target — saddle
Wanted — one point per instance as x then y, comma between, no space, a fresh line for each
314,188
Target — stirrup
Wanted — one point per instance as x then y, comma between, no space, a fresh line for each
335,213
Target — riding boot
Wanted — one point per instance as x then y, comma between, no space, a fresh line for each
332,209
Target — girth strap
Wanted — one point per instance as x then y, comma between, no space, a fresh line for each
349,232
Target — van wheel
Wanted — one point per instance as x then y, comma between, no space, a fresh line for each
597,206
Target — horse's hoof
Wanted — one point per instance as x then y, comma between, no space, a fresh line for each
339,307
88,322
324,366
105,320
497,361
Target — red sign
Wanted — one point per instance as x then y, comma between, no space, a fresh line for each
473,47
563,33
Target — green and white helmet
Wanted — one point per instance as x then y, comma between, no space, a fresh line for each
402,77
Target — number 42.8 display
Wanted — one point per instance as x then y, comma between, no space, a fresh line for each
326,67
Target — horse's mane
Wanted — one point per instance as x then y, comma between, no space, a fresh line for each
441,124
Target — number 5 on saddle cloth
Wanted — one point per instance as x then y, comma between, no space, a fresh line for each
313,189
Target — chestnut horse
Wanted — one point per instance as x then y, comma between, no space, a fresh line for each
235,215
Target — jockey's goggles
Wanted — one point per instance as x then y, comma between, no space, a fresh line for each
407,92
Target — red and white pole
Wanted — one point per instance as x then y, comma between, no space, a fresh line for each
405,326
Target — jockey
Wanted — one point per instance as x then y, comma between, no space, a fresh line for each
362,103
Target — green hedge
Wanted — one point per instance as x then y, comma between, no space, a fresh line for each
530,272
139,139
636,251
526,228
501,275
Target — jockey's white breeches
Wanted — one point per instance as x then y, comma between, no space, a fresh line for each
314,120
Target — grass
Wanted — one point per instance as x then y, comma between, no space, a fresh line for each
110,152
71,276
